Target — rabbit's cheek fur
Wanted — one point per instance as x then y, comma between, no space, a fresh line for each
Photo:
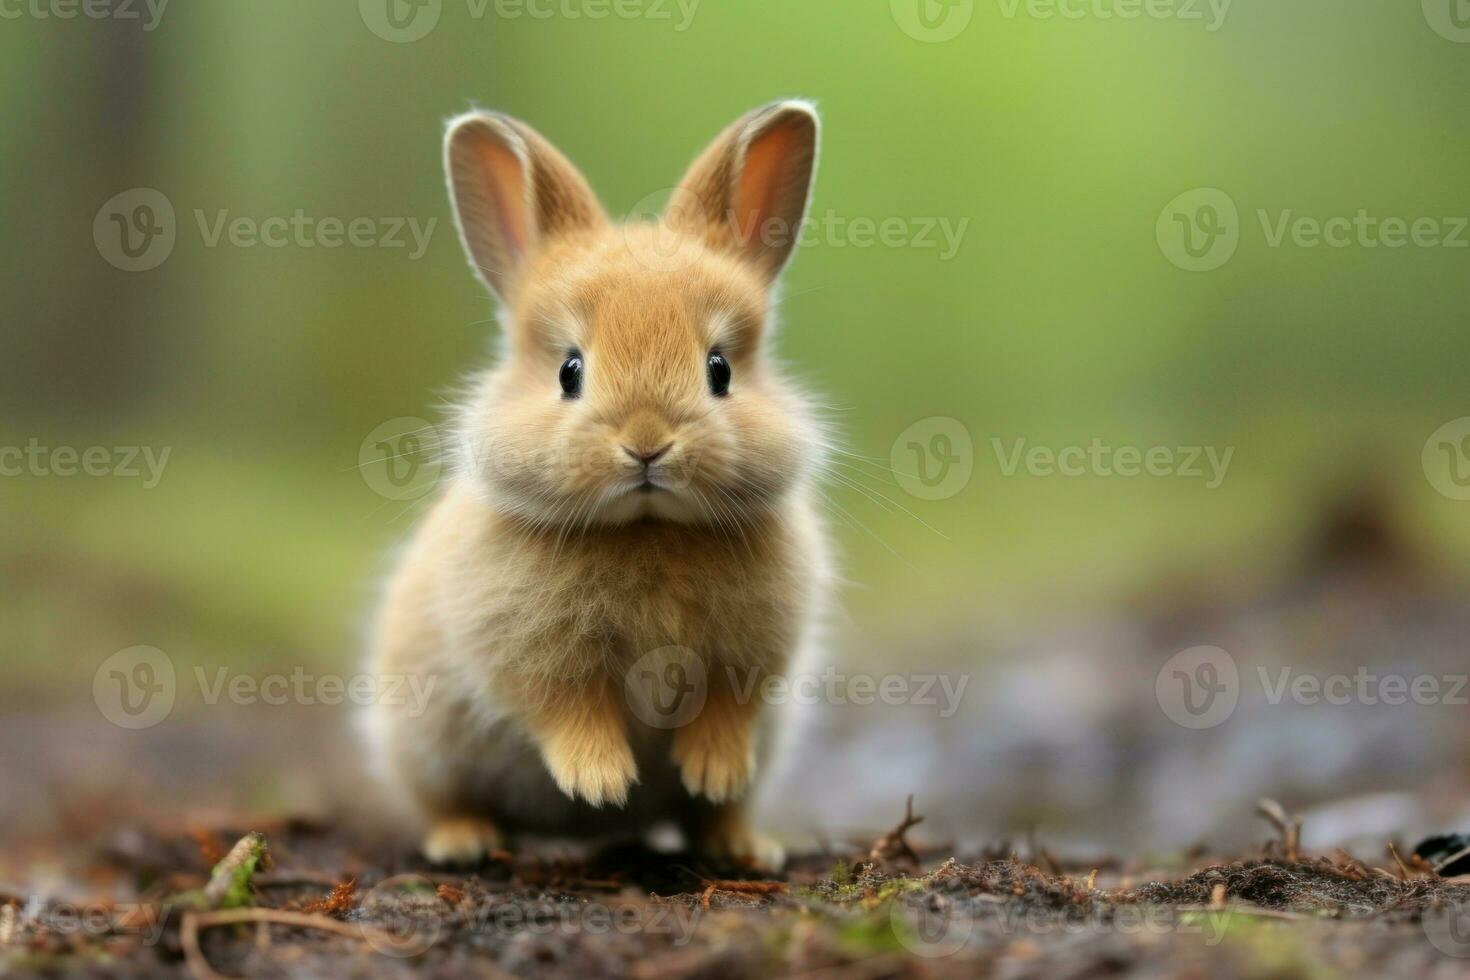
563,462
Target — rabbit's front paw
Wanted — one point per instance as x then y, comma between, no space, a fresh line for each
595,769
715,761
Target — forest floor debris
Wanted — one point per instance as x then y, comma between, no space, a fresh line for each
302,897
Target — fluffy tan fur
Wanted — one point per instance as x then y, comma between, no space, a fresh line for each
556,558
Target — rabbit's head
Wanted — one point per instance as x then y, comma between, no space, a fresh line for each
635,381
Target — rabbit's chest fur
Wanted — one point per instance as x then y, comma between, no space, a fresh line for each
512,600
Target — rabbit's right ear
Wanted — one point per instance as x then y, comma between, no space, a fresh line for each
748,192
512,191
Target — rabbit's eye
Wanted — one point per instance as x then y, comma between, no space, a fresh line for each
571,375
719,373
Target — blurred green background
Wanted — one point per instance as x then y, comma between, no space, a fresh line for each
1060,318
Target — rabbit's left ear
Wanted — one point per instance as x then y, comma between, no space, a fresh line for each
512,191
748,192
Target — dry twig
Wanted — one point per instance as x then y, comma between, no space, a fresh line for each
195,922
895,843
742,888
1289,827
1403,868
1443,863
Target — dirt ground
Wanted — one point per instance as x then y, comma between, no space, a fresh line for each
136,853
307,898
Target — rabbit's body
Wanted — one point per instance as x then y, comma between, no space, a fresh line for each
633,496
478,596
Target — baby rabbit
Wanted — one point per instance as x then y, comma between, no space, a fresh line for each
633,499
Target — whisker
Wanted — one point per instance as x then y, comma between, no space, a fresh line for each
872,494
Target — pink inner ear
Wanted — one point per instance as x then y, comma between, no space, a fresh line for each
504,184
762,182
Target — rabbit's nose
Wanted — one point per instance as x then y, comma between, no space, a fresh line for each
646,437
648,457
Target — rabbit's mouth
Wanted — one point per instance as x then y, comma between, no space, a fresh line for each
653,480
